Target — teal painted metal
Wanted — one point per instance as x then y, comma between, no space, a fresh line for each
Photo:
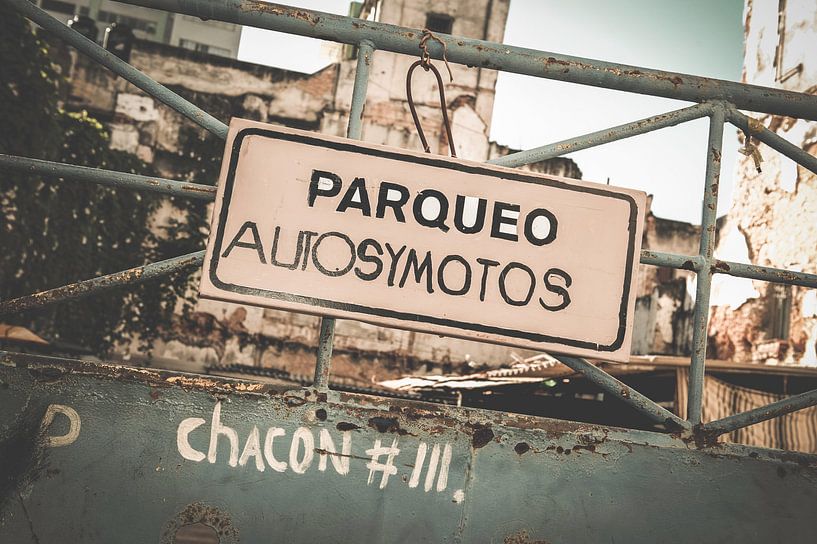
703,285
153,453
720,100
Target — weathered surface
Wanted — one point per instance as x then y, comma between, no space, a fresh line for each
774,210
131,476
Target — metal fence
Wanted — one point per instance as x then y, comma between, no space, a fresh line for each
716,99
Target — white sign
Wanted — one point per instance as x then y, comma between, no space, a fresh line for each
324,225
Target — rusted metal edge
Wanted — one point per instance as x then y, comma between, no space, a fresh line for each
432,417
82,289
111,178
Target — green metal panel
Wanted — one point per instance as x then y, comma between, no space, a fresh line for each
510,478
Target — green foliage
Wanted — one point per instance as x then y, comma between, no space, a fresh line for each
53,232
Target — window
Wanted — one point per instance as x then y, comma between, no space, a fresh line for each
439,22
143,25
203,48
59,7
779,307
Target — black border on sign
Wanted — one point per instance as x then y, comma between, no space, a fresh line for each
416,318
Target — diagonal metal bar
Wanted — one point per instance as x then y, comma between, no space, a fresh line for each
672,260
495,56
757,130
120,67
111,178
365,56
82,289
624,392
703,286
750,417
765,273
605,136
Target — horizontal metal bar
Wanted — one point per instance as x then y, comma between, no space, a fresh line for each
111,178
606,136
120,67
496,56
82,289
671,260
770,411
757,130
765,273
624,392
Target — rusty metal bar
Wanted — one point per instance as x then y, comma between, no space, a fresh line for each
757,130
365,56
672,260
763,413
82,289
764,273
624,392
120,67
111,178
605,136
704,278
496,56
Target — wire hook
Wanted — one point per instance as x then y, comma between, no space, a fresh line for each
425,62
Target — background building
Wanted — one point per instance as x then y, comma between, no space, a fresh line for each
213,37
773,221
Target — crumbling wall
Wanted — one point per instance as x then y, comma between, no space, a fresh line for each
775,209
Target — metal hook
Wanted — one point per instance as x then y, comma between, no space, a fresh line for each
425,62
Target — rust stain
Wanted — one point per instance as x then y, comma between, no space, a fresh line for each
198,512
345,426
521,448
522,537
482,435
387,425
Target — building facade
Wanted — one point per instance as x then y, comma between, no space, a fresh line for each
773,221
213,37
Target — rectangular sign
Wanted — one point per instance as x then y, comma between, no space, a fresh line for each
325,225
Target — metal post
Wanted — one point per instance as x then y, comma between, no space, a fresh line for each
707,249
365,54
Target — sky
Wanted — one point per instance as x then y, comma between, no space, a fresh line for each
700,37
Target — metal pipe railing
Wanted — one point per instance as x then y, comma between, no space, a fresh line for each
496,56
365,56
84,288
370,36
110,178
613,134
703,285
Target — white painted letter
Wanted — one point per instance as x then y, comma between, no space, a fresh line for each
185,449
340,462
277,466
252,449
442,481
74,425
387,468
418,465
432,467
301,435
216,429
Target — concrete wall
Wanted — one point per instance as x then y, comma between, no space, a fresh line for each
774,218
